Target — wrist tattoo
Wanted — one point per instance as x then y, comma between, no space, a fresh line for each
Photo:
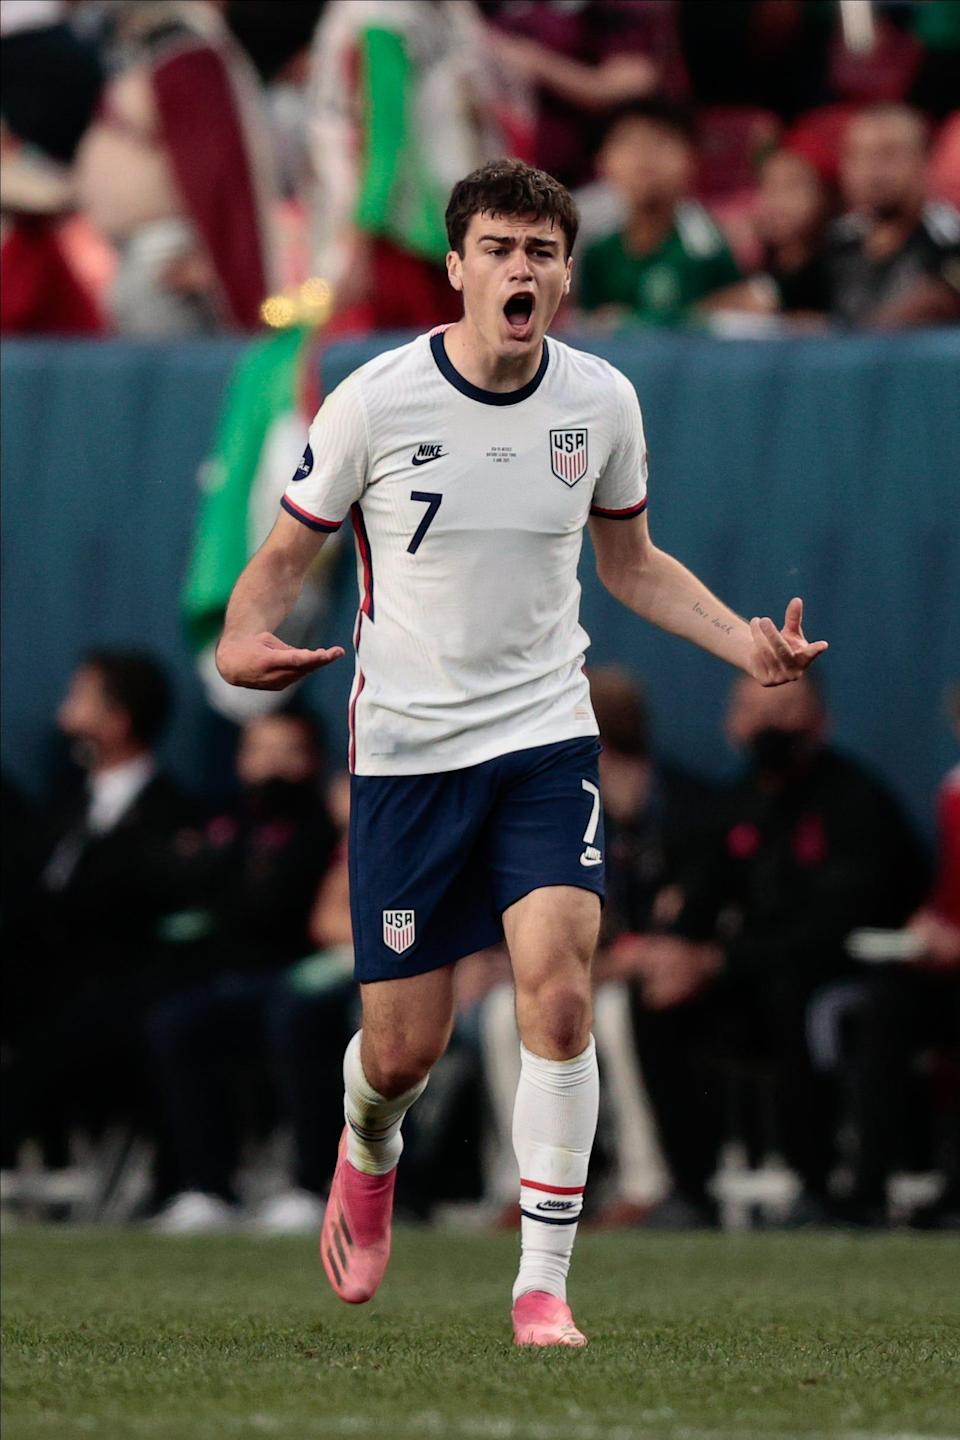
715,620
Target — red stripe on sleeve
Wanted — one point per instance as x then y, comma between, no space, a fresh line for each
627,514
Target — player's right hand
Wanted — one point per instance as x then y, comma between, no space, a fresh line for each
262,662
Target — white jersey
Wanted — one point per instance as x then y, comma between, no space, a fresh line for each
469,507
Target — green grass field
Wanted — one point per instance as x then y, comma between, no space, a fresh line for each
702,1337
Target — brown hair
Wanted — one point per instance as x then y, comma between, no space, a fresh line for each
510,187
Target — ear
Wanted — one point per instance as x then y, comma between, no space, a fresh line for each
455,270
568,275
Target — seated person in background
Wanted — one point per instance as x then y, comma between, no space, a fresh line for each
909,1007
894,259
792,209
812,847
669,253
107,875
256,872
657,819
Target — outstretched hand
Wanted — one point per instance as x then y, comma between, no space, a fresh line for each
262,662
779,656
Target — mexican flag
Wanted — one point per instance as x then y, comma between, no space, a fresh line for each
271,398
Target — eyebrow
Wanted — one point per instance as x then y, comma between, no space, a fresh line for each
541,240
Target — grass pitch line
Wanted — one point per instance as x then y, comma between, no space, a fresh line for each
431,1423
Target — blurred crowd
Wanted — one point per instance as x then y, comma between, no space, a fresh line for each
170,167
777,986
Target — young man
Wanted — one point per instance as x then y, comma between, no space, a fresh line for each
668,254
470,461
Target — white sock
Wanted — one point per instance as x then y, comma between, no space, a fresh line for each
554,1122
374,1142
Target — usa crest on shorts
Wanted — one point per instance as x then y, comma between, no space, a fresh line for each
568,454
399,929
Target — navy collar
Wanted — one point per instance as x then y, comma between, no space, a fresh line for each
474,392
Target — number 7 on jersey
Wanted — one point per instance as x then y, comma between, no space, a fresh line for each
432,501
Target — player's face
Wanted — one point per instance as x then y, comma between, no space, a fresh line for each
513,273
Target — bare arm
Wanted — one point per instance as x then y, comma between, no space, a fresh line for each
249,653
657,587
590,87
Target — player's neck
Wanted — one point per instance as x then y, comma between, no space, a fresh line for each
477,362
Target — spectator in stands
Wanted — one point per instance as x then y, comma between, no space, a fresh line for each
907,1008
108,875
258,870
792,209
177,172
657,819
51,79
812,846
669,254
420,114
770,53
894,260
583,62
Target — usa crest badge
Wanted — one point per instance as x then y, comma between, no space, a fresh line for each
568,455
399,930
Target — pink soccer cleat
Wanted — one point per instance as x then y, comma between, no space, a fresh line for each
542,1319
355,1239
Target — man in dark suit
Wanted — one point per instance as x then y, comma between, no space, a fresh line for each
109,872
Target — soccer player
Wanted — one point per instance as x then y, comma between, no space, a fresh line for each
470,461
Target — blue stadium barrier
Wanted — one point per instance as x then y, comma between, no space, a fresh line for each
825,467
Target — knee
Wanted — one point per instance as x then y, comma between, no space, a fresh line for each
392,1067
555,1018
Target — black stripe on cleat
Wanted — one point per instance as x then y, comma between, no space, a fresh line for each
334,1266
346,1233
340,1250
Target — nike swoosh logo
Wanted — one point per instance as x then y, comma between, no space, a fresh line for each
426,459
588,860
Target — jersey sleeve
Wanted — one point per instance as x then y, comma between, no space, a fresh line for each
621,491
333,472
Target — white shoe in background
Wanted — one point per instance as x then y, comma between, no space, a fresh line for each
194,1212
293,1212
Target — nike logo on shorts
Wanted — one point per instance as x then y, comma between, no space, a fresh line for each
591,856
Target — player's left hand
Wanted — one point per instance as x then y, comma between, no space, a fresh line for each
779,656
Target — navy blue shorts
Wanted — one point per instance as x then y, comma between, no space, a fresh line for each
436,859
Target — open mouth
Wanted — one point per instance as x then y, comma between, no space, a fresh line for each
519,312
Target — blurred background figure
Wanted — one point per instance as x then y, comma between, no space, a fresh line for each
811,847
907,1045
658,820
583,61
51,82
403,101
91,954
669,253
793,206
254,874
894,260
178,173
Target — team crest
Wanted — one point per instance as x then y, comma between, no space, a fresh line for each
568,455
305,466
399,930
